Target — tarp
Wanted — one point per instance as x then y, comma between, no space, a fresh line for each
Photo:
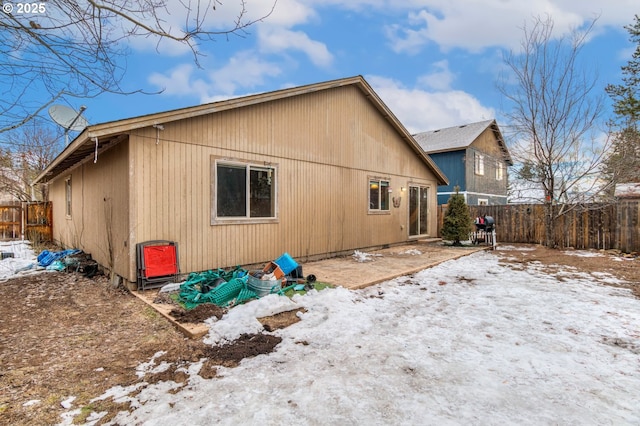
220,287
46,258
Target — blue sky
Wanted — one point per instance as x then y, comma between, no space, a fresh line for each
433,62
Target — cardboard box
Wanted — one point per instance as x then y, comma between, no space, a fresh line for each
271,267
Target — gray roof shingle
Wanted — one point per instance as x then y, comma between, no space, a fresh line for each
459,137
451,138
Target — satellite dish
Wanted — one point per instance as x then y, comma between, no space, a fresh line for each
68,118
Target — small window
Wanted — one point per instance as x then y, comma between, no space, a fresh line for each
483,202
499,171
479,164
378,194
245,191
67,196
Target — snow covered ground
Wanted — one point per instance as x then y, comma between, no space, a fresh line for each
23,260
471,342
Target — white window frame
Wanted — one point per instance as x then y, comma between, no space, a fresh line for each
499,171
68,191
479,164
483,201
378,208
248,166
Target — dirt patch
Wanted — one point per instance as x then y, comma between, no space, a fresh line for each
246,346
64,335
624,267
281,320
198,314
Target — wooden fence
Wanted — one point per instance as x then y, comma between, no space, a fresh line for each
593,226
38,222
10,221
33,221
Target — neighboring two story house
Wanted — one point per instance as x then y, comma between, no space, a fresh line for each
474,157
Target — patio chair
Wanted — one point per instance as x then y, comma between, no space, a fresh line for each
157,263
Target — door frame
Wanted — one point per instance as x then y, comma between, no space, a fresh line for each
429,190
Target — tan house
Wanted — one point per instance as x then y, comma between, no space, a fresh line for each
315,171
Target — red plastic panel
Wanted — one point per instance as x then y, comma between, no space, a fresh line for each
160,261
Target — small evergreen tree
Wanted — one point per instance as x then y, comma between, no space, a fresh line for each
457,221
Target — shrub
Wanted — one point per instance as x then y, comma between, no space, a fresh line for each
457,221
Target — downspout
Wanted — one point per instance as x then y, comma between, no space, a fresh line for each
95,157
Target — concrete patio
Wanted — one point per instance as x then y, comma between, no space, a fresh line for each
385,264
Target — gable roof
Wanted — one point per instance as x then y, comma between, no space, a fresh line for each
460,137
99,137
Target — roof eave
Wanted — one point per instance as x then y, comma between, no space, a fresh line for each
125,126
501,142
85,146
406,135
78,141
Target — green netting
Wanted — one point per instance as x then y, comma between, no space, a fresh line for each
209,277
226,292
192,295
245,294
194,290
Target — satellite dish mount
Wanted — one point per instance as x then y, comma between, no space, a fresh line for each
68,119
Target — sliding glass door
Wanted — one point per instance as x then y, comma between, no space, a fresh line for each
418,208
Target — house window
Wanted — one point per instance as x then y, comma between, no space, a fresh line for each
479,164
245,191
67,196
378,194
499,171
483,202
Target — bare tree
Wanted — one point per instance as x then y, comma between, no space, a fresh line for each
24,154
67,49
555,119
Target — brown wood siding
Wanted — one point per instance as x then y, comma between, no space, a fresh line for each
325,146
487,145
97,189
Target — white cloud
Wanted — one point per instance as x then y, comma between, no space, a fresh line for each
474,25
278,40
288,13
368,5
441,79
244,72
178,81
175,18
420,110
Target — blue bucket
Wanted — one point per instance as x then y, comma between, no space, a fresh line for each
286,263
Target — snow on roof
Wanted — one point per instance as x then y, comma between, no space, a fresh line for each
451,138
628,190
